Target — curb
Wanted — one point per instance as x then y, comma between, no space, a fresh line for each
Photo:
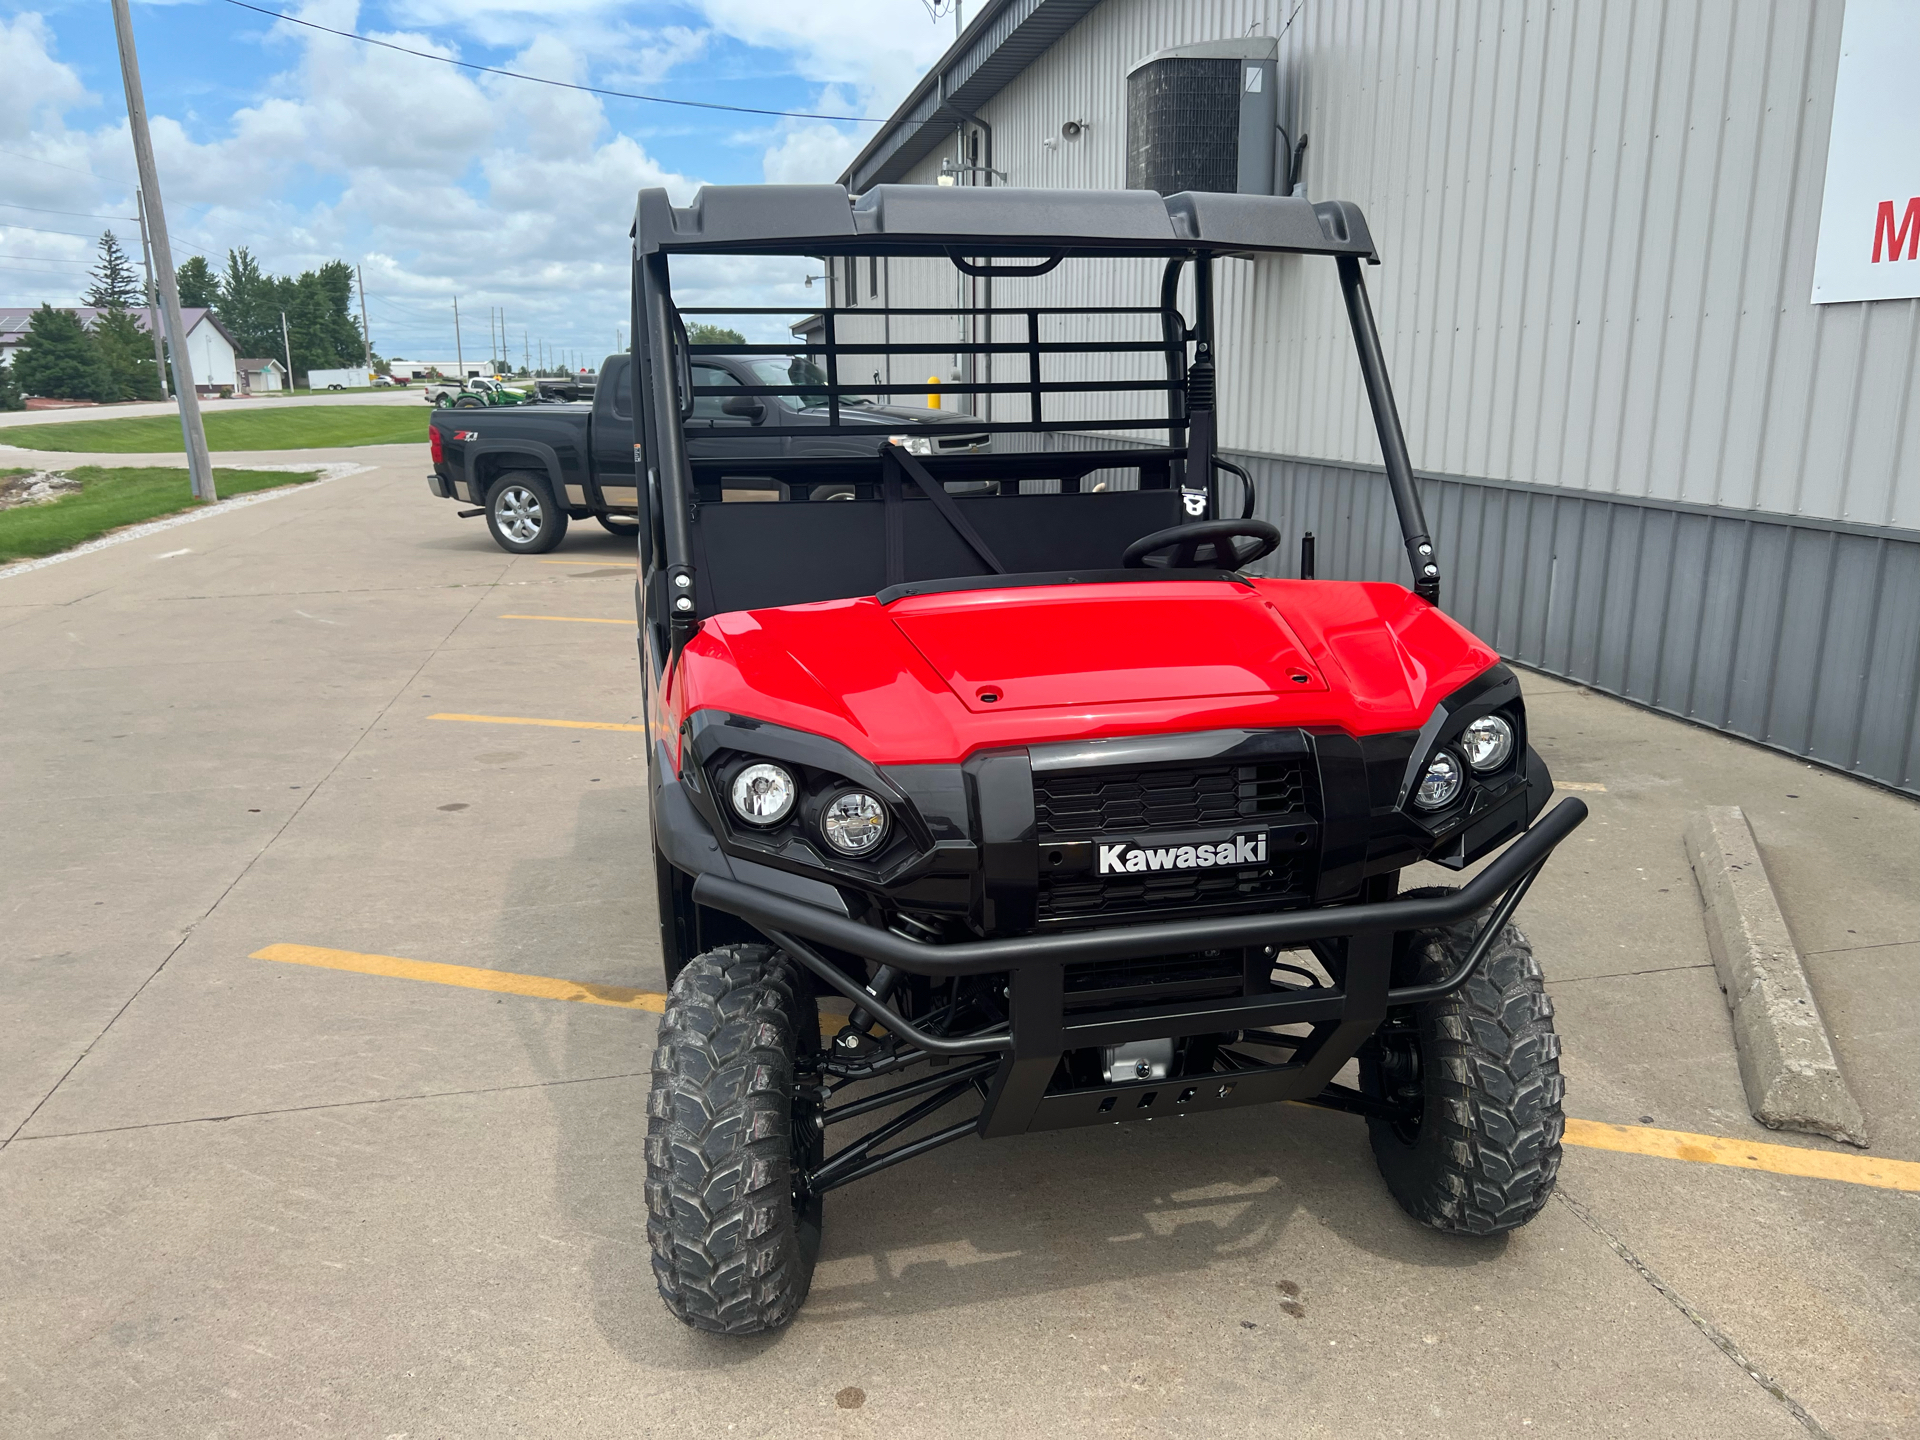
1787,1061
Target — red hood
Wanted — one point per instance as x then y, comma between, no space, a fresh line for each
903,684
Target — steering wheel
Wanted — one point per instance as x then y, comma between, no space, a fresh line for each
1204,545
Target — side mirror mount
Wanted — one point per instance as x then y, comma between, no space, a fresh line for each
745,407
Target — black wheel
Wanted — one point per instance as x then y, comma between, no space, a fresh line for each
522,516
625,526
469,402
1478,1148
733,1244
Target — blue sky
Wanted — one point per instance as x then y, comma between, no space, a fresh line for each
442,183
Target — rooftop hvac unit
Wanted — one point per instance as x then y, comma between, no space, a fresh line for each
1205,117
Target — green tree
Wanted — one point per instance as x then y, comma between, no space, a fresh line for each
10,397
199,286
249,305
714,335
128,353
116,285
59,360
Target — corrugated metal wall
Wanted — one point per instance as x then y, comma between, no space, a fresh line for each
1598,225
1802,636
1597,222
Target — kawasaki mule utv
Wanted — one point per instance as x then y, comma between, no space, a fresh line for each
1014,751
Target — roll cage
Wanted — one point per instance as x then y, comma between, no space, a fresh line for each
737,559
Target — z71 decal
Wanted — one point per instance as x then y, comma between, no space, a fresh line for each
1125,856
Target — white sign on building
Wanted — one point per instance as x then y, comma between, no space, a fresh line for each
1870,213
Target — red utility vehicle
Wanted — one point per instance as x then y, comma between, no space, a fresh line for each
1016,753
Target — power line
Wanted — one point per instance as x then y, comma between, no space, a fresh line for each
81,214
43,230
557,84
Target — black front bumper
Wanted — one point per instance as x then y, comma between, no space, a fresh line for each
1023,1094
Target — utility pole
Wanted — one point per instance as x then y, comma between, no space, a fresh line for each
287,345
199,462
526,360
459,355
366,336
153,305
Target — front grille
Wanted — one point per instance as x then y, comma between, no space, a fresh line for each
1074,897
1083,804
1138,803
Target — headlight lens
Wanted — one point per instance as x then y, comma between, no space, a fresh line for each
854,823
763,794
1488,742
1440,786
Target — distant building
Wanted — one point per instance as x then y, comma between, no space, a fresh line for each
259,377
449,369
210,348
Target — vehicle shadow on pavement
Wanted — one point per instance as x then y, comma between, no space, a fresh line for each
1262,1193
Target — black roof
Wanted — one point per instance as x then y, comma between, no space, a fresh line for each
992,220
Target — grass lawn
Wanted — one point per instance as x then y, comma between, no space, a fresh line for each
109,499
289,427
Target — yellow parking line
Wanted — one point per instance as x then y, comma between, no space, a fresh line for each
1745,1154
529,720
575,619
589,560
1588,1134
506,982
503,982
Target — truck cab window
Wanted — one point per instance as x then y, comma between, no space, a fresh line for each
707,407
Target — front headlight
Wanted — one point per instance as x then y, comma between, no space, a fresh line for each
854,823
763,794
1440,786
914,444
1487,742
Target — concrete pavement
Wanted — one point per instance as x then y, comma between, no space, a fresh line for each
243,1197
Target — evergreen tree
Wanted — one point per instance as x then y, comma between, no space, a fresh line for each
10,397
199,286
116,285
249,305
128,353
58,359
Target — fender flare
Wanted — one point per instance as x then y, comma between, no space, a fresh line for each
544,455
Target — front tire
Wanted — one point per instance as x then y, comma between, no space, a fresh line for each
1481,1068
733,1244
522,515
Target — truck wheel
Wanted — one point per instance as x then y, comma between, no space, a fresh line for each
733,1245
522,516
1481,1068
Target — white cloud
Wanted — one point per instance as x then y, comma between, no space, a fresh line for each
442,181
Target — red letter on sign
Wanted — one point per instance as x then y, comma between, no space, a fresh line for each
1908,234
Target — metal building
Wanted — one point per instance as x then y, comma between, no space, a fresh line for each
1653,465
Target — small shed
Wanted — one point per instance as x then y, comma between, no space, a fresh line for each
259,377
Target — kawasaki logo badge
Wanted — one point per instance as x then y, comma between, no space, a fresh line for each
1125,856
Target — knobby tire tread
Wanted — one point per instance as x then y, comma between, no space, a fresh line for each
1487,1154
730,1253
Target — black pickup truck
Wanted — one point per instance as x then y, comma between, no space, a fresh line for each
531,468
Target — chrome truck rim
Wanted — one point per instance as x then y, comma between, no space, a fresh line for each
517,512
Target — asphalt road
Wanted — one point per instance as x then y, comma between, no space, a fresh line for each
255,1197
